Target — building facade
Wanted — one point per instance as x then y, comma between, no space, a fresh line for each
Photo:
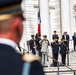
61,17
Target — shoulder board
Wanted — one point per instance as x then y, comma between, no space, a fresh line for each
29,57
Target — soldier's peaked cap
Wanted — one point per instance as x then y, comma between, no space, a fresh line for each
9,8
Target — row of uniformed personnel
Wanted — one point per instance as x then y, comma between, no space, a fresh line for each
59,47
64,47
11,29
42,47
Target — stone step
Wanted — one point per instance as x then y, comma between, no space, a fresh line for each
55,69
72,56
66,74
62,71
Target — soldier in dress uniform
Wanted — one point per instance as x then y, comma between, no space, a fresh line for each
38,45
11,29
63,51
66,39
32,44
55,49
74,40
55,36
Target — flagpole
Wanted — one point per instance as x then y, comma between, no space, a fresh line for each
38,3
39,19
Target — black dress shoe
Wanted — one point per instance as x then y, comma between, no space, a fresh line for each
46,66
55,65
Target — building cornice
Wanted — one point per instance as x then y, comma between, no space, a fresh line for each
37,6
50,7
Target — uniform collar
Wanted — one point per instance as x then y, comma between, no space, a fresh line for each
8,42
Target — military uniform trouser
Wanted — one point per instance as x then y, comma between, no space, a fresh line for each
63,59
55,56
74,46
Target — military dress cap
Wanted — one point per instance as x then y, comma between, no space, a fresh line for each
9,8
32,65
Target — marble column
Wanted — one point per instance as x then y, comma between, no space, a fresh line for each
66,16
45,18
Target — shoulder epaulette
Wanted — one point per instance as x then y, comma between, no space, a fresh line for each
30,57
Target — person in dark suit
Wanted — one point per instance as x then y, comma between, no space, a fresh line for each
38,45
63,51
32,44
55,48
74,40
66,39
11,29
55,36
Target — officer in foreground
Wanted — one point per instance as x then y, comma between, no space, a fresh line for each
11,29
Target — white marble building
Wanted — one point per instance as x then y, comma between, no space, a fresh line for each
60,15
